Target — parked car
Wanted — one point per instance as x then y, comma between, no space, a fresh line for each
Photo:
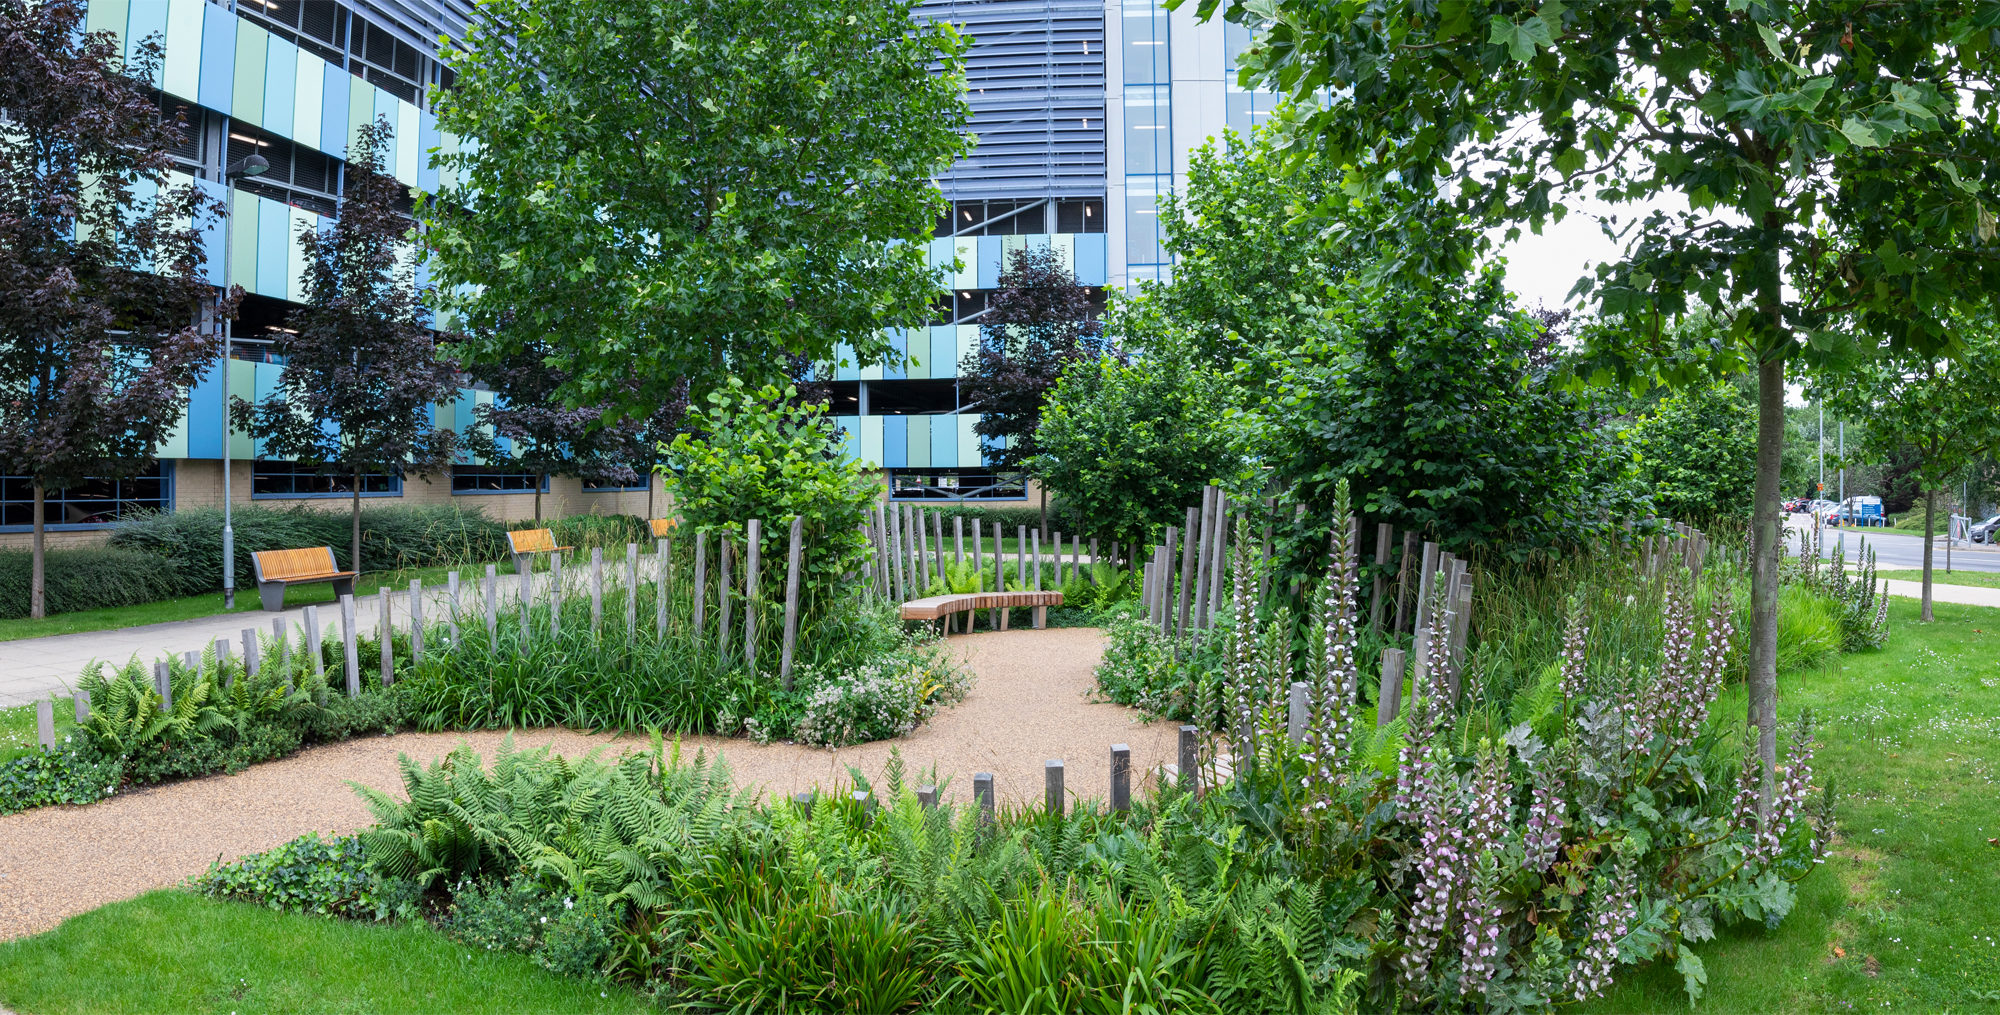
1987,531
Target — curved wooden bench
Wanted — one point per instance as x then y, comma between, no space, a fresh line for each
938,607
278,568
663,527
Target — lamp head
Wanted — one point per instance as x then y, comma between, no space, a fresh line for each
248,165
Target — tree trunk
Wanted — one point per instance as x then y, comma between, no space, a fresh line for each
649,496
1767,543
1930,545
38,606
1045,511
354,526
540,478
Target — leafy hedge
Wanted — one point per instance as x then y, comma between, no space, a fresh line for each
391,537
87,578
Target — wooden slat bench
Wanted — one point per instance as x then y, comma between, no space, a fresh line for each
937,607
663,527
279,568
525,543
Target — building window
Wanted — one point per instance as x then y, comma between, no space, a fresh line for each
90,504
598,486
1080,216
299,479
488,479
955,484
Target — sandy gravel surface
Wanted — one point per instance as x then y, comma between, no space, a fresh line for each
1027,705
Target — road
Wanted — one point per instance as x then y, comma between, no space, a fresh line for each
1895,551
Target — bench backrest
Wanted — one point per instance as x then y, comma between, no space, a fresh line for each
278,565
532,540
663,527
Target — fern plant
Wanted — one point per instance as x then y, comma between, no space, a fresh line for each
125,712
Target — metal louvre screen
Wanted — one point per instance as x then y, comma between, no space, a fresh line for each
1035,81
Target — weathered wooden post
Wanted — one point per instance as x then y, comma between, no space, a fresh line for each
1182,593
1298,712
1204,557
1052,786
700,585
81,701
1037,538
192,660
937,542
958,540
1403,578
1188,764
1389,699
596,590
416,620
1461,628
284,640
451,584
663,584
1384,532
350,654
722,643
794,561
1121,777
558,593
252,653
922,545
978,547
982,794
999,580
631,591
1425,580
753,572
163,684
1021,556
312,645
222,662
45,724
927,797
1146,590
1055,544
528,602
492,606
388,628
804,802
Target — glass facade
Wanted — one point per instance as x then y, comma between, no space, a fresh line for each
89,504
1148,133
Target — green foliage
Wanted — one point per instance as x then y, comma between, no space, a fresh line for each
883,699
1430,404
524,914
73,773
1127,446
86,578
326,877
1808,629
760,454
401,536
789,152
1697,452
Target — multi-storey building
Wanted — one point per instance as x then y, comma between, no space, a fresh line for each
1085,111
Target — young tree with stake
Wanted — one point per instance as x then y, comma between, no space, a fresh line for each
1836,161
101,288
362,374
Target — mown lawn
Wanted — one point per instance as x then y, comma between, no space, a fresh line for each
1939,576
1905,916
170,951
17,727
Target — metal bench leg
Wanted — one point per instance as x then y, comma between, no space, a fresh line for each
1041,617
272,594
342,587
522,562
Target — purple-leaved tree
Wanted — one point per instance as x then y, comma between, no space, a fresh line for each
101,289
363,372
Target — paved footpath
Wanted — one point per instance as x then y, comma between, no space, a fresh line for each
33,668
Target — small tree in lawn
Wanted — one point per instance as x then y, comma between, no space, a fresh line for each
1038,322
1818,175
362,374
1941,414
100,288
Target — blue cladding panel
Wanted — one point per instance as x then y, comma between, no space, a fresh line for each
992,249
944,351
850,436
333,112
1090,266
211,235
149,17
427,139
385,108
899,342
218,58
205,415
273,244
944,442
281,74
896,442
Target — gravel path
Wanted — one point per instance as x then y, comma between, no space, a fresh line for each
1028,704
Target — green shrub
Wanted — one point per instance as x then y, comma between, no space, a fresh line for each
75,773
1809,631
87,578
611,532
562,933
328,877
882,699
394,537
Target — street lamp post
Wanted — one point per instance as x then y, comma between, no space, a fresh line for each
249,165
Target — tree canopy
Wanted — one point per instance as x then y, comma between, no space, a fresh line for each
1038,322
667,190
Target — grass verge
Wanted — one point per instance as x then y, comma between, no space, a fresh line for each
1905,916
17,728
1977,579
169,951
